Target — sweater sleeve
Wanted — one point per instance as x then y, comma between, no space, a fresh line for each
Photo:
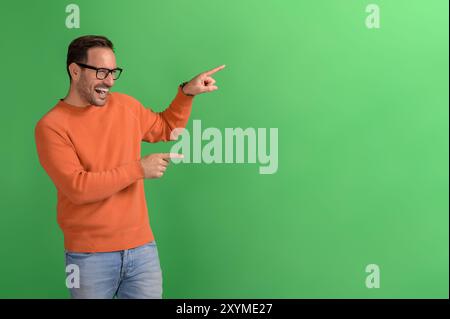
59,159
157,127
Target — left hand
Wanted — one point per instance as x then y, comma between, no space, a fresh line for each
202,83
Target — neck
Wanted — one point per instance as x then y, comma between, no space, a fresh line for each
74,98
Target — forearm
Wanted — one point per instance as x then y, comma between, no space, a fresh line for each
84,187
59,159
174,116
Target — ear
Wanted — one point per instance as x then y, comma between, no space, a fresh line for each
74,70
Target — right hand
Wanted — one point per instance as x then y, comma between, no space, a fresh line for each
155,165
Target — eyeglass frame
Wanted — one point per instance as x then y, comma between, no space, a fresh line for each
86,66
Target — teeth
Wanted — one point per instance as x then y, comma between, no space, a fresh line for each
103,90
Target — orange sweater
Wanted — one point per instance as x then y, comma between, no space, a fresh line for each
92,156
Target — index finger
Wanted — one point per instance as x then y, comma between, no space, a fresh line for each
212,71
171,155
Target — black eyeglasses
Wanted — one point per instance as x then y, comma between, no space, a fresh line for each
102,73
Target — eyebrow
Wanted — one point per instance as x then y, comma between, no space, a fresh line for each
95,67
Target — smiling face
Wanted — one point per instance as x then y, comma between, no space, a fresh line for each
90,89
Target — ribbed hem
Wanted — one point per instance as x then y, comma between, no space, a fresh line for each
83,242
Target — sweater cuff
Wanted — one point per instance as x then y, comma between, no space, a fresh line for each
183,98
136,170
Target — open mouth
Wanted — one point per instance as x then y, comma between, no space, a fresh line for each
102,92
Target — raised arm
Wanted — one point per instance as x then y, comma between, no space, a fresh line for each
158,126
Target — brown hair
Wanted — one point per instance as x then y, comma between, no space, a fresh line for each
78,48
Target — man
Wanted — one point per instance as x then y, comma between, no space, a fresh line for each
89,145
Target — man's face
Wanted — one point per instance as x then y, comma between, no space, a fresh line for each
91,89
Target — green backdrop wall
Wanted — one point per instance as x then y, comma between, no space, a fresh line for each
362,116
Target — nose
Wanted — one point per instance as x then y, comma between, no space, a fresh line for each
109,80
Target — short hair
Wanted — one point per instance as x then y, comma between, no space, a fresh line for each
78,48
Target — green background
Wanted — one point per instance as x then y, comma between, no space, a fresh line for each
363,144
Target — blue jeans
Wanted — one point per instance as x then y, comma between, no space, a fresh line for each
125,274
